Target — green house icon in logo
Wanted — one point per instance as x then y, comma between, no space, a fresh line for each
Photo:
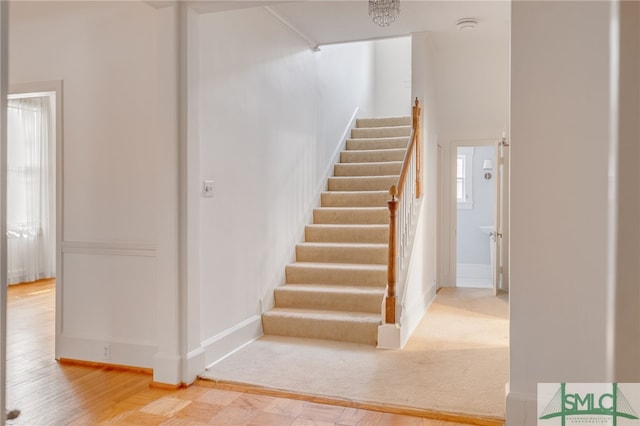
613,404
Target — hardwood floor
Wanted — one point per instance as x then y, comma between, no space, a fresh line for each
51,393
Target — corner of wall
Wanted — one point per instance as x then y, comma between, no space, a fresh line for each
195,364
521,409
167,369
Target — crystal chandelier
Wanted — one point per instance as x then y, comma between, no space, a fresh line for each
384,12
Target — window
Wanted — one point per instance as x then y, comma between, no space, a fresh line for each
30,188
464,166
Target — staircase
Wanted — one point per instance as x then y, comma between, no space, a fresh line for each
335,288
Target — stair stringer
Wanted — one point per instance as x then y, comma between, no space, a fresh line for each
416,295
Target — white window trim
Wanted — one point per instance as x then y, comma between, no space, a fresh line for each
467,151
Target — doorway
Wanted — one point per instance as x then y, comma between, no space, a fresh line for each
475,199
477,216
31,221
34,190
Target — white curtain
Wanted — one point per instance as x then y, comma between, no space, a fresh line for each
30,190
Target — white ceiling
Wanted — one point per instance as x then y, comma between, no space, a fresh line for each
327,22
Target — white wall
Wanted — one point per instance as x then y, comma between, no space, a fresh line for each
560,237
473,243
118,139
472,92
392,73
272,115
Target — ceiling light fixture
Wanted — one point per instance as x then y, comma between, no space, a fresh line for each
466,24
384,12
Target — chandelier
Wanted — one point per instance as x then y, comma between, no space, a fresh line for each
384,12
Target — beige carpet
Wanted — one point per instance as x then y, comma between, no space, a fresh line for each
334,289
456,361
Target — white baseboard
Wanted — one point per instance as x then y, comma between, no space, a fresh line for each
131,354
224,344
389,336
521,409
167,368
396,336
413,313
195,365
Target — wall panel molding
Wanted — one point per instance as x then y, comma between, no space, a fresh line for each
117,248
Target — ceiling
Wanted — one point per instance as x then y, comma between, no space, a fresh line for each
328,22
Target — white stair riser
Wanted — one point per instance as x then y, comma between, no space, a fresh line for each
333,253
378,215
345,234
296,296
372,156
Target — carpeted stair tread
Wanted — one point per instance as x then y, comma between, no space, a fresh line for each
347,233
355,198
330,297
351,215
357,327
335,288
350,274
372,155
343,253
381,168
377,143
383,121
361,183
381,132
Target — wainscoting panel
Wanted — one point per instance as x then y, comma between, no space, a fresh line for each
109,307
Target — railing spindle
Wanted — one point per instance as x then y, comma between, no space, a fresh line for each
416,126
390,303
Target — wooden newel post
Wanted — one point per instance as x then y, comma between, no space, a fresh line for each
416,128
390,301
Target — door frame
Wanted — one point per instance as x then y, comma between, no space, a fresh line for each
449,253
53,87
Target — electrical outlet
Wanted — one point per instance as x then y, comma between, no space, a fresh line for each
106,351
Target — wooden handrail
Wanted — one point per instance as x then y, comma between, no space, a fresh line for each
396,192
417,136
413,146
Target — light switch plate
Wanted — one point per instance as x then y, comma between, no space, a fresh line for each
207,189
